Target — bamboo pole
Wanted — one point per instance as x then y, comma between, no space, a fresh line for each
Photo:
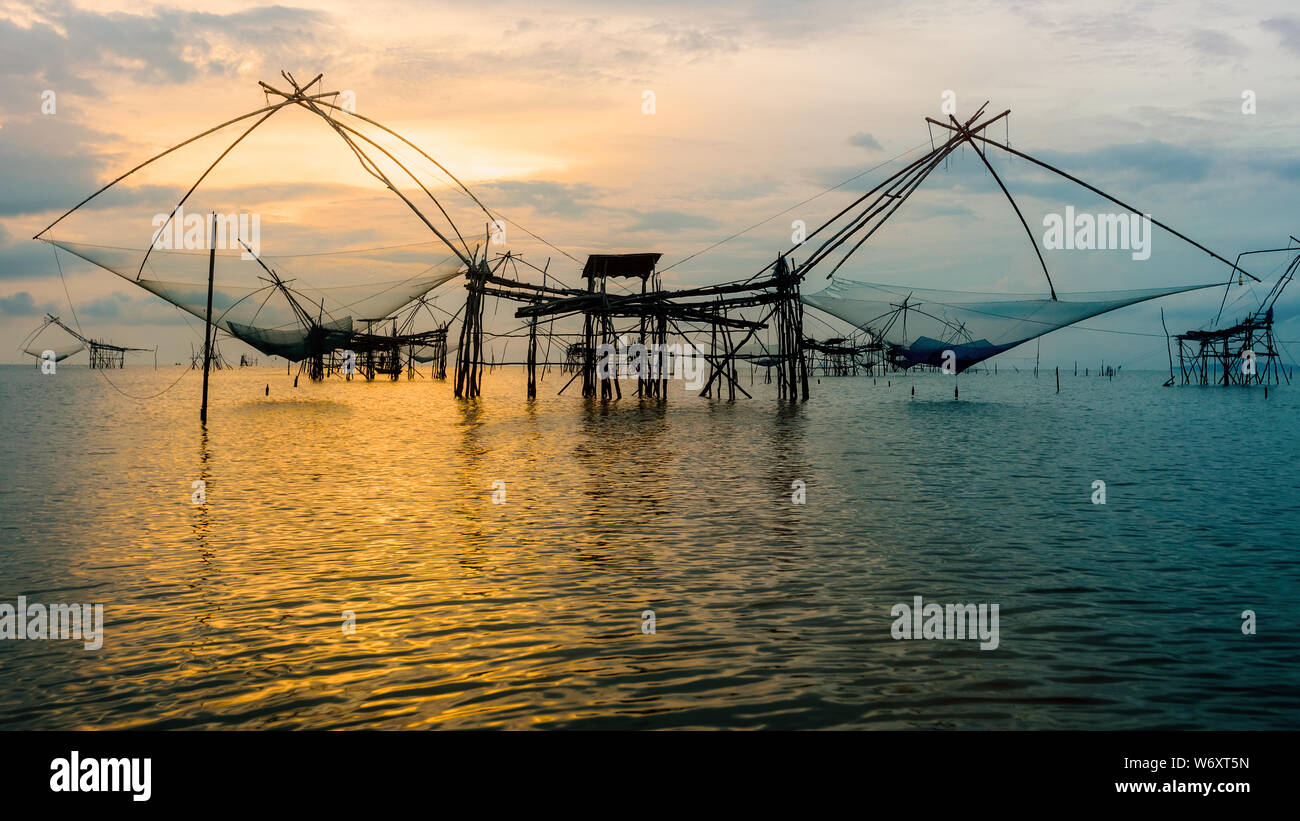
207,325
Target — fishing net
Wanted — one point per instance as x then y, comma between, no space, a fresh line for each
919,325
50,335
286,206
62,350
292,319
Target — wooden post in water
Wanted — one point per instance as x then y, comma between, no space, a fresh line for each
1058,378
207,328
469,353
532,358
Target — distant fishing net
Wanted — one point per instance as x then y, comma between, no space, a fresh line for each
918,325
54,337
42,341
293,318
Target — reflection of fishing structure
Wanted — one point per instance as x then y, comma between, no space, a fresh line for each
1241,354
365,328
103,355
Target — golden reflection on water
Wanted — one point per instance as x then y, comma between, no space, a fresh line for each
310,514
376,498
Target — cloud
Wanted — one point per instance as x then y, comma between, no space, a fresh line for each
540,196
631,41
737,190
24,259
521,25
107,307
51,166
927,210
134,308
22,304
666,221
1288,31
591,51
1288,170
696,42
865,140
1148,163
72,50
1217,46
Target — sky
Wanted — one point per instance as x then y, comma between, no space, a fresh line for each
759,109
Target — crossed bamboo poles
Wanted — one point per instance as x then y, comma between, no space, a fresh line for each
889,196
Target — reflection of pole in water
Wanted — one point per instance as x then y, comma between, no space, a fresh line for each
203,524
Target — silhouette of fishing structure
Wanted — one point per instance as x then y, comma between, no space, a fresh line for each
858,353
215,359
1244,353
103,355
622,301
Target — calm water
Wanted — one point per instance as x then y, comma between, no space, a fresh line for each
377,498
